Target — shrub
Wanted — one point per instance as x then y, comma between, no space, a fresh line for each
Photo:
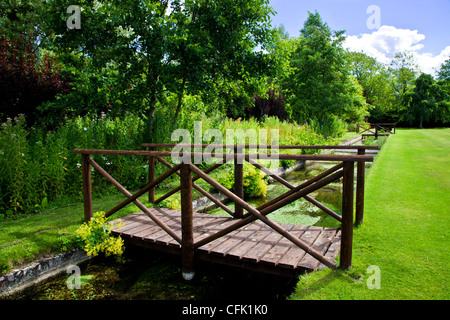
271,106
171,204
255,184
17,172
95,237
330,126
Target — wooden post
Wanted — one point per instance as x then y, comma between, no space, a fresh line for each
238,183
360,177
187,233
238,188
87,192
347,216
151,176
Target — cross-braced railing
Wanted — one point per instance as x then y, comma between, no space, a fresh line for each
344,169
381,129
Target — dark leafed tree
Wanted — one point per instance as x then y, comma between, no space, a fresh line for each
26,78
428,102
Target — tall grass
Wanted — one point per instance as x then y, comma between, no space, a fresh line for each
38,167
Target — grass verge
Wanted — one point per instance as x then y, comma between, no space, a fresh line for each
52,231
405,231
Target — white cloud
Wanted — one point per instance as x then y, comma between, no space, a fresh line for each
385,42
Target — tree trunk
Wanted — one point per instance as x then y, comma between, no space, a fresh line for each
180,98
151,119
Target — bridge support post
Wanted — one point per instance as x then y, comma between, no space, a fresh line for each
238,188
360,177
151,176
238,182
87,192
187,233
347,216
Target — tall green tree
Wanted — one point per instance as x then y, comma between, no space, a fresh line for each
427,103
149,48
375,79
444,71
320,86
404,71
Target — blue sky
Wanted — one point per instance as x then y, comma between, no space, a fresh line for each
420,26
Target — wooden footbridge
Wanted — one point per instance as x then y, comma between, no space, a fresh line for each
381,129
246,240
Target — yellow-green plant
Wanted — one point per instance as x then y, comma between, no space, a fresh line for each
95,236
171,204
254,181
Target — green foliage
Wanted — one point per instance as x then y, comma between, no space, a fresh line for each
95,237
371,141
331,126
16,169
428,102
375,79
173,203
444,71
4,266
134,54
38,167
255,184
320,86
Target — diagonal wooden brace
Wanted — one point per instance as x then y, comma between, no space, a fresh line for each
136,202
290,186
257,215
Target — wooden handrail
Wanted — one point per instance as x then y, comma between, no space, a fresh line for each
168,194
141,192
302,186
253,146
265,210
226,156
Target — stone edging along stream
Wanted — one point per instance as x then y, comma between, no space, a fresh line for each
36,272
20,279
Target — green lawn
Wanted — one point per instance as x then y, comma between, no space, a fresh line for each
406,226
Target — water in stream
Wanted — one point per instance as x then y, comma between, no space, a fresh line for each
301,212
151,275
